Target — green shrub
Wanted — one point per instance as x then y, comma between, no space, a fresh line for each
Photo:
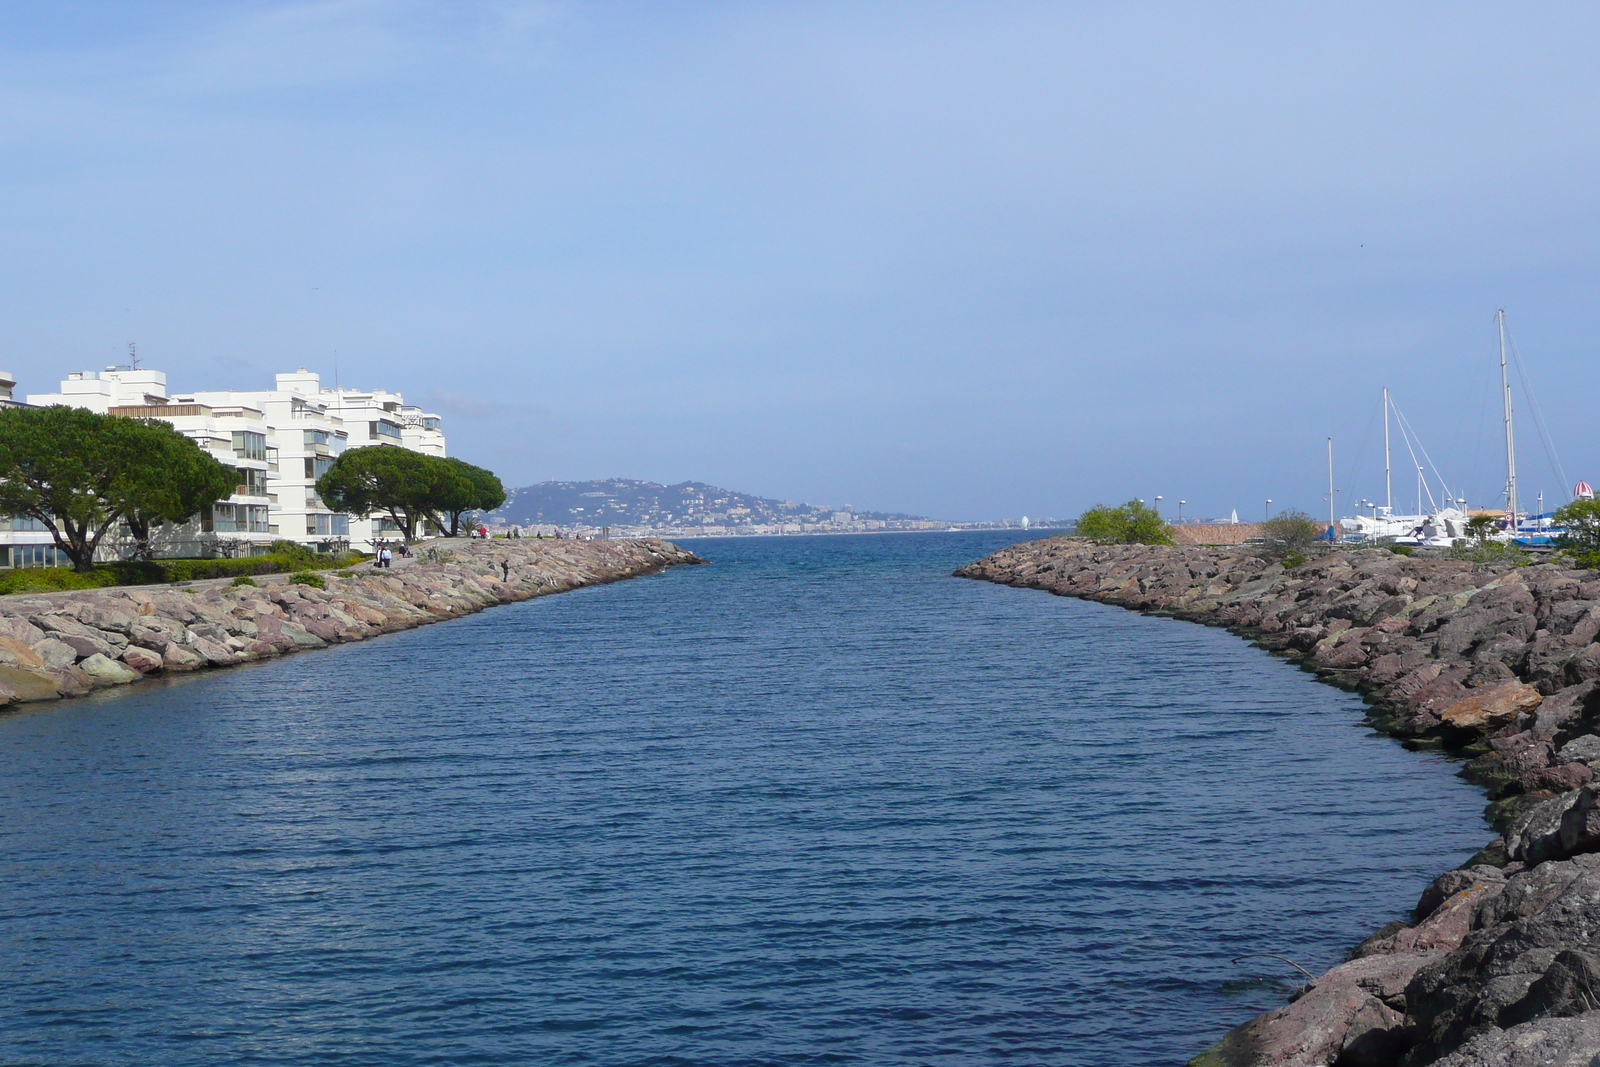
1132,523
1402,550
1292,559
1488,552
1290,533
1582,539
64,579
292,551
51,580
308,578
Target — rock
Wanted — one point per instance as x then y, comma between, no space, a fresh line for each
27,685
87,646
1580,823
55,654
1444,927
1571,1042
1584,749
1453,883
1570,986
1562,707
13,653
1535,835
1493,705
108,671
1557,779
1345,1016
299,637
177,658
141,659
216,653
1518,935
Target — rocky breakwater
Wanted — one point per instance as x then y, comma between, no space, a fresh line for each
1499,964
67,644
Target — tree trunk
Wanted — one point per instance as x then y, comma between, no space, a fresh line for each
140,529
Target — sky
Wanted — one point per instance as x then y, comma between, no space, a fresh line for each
967,260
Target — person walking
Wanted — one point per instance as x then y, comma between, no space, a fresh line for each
384,557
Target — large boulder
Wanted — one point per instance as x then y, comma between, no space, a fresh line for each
1566,1042
27,685
106,671
1491,706
1505,970
141,659
1353,1015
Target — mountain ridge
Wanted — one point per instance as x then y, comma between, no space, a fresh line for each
636,503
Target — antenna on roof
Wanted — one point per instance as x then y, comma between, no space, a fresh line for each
133,355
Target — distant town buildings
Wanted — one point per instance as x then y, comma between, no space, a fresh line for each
629,507
280,441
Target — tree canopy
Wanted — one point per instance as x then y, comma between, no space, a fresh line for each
79,472
1581,518
1132,523
409,487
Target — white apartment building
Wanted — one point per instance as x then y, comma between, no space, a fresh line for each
311,427
280,441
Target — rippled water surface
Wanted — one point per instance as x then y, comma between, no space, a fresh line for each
817,803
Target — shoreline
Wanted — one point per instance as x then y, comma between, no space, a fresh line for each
1496,662
68,644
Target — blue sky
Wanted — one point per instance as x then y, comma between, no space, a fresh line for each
963,259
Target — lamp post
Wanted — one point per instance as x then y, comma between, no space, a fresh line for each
1181,503
1267,510
1158,507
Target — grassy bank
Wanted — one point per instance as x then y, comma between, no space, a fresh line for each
285,558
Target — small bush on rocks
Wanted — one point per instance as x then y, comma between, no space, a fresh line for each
308,578
1403,550
1131,524
1488,552
243,579
1292,560
1291,533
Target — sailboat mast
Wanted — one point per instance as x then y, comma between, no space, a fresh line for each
1388,484
1511,450
1332,521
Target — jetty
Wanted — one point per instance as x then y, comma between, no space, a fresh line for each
70,644
1497,963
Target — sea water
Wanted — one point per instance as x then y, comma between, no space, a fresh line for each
818,802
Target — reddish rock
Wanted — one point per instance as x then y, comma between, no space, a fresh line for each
177,658
1557,779
1493,705
141,659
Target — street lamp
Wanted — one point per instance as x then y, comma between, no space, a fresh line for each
1267,510
1158,507
1181,503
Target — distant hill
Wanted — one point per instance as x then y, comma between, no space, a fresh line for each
627,502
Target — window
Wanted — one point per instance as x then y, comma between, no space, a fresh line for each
315,437
382,428
251,482
317,466
249,445
327,526
237,518
32,556
26,523
430,423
